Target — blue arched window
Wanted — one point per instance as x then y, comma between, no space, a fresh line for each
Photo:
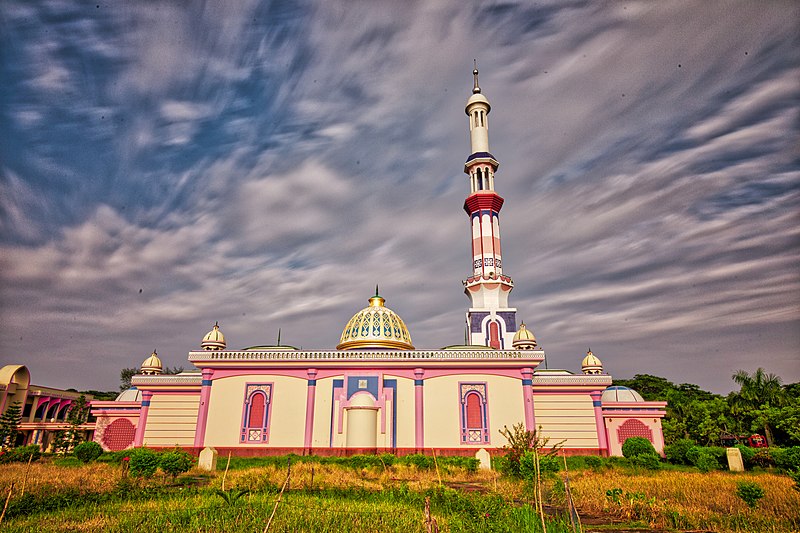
474,413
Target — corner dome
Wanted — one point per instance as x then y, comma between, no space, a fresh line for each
524,339
129,395
152,365
618,393
375,327
214,339
591,364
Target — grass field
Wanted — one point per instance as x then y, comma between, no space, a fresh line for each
67,496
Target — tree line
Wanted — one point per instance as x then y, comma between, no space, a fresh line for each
762,405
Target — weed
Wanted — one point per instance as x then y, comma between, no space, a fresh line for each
749,492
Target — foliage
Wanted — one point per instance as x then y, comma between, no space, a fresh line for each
787,458
175,462
143,462
747,454
795,476
763,458
126,374
707,458
760,393
635,446
20,454
750,492
88,451
519,441
676,452
9,424
547,465
232,496
78,413
650,461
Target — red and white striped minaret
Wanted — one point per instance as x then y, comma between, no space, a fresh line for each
490,321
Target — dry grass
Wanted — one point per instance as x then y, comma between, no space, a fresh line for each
93,477
690,499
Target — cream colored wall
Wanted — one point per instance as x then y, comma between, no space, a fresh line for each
404,396
288,411
442,409
566,416
171,420
322,413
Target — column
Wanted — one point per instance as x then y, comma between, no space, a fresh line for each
202,411
419,420
527,397
310,397
602,439
139,436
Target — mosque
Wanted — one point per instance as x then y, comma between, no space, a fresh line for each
376,392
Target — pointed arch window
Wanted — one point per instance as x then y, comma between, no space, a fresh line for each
494,335
256,413
474,413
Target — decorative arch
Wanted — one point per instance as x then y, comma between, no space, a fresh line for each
634,428
474,413
256,413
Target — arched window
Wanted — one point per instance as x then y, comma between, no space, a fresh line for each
256,413
474,415
494,335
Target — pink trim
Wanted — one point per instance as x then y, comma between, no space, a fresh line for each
486,439
419,412
527,398
388,370
202,411
599,422
139,437
310,400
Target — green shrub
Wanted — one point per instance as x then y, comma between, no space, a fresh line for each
88,451
750,492
21,454
650,461
175,462
593,462
763,458
676,452
143,462
707,458
795,476
787,458
423,462
634,446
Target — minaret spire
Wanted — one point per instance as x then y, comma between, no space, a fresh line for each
491,322
476,89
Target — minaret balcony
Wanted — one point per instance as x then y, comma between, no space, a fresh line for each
480,157
483,201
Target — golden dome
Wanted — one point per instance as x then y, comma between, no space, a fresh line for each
375,326
214,339
152,365
591,364
524,339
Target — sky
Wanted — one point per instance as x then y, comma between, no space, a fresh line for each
165,165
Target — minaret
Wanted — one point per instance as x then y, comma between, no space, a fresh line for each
490,321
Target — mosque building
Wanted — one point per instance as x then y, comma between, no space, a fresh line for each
377,392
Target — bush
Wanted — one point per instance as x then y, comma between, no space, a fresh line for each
707,458
21,454
175,462
676,452
763,458
635,446
143,462
750,492
593,462
650,461
747,454
88,451
795,476
787,458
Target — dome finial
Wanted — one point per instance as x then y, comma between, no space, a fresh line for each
476,89
377,293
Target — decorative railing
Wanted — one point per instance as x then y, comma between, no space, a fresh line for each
192,379
400,355
575,379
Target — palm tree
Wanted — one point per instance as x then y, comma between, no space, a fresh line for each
758,391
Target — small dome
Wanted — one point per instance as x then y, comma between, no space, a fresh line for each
617,393
475,98
129,395
375,326
152,365
524,339
591,364
214,339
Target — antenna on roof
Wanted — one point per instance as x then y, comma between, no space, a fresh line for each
279,336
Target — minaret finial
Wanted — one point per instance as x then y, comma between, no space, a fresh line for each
476,89
376,290
279,337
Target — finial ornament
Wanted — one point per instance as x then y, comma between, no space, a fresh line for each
476,89
376,290
279,337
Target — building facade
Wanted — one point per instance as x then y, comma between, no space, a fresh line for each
376,392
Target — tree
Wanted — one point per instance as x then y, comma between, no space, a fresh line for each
66,440
126,374
758,394
9,424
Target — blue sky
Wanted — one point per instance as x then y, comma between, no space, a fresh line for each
167,164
